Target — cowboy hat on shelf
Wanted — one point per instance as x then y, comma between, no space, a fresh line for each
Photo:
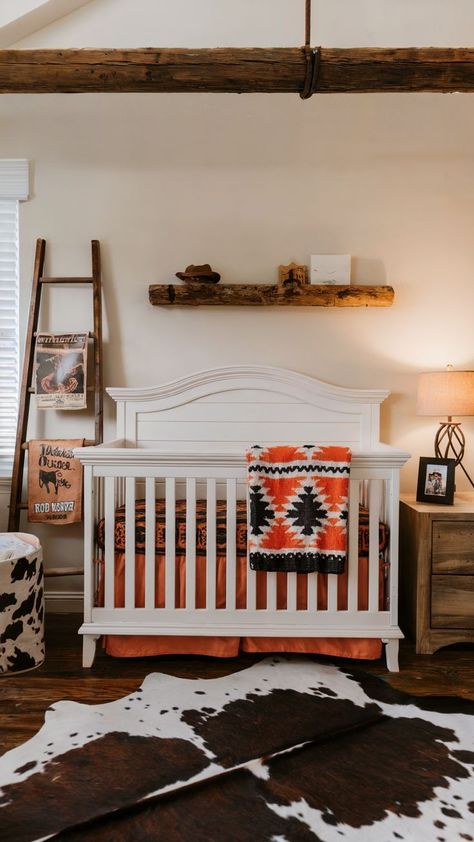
199,274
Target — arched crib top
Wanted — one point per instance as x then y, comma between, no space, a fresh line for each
234,406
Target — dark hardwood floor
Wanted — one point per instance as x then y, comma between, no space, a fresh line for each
24,698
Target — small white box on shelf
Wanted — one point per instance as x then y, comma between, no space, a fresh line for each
330,269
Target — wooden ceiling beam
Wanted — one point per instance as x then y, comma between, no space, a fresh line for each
236,70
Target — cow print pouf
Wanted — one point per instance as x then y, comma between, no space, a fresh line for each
21,605
289,749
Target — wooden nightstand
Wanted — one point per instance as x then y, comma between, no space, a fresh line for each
437,571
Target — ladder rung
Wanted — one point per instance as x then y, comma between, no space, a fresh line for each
64,571
32,389
91,335
87,443
45,280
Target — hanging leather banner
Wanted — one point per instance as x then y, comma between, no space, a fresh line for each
54,482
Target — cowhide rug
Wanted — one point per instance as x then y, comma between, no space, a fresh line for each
284,750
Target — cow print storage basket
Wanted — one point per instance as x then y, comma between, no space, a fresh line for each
21,606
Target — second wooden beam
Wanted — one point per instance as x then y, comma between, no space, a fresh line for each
308,295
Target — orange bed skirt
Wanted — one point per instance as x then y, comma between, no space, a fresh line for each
133,646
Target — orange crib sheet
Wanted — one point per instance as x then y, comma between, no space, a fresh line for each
225,647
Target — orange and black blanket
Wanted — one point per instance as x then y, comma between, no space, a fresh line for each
298,508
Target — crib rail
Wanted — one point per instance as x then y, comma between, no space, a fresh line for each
215,595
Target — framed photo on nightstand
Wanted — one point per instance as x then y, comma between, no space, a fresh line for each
435,480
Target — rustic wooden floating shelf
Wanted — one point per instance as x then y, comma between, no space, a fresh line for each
308,295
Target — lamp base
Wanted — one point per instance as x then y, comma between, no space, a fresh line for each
450,443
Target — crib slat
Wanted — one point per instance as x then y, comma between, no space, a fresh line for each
353,538
150,542
109,556
211,545
90,496
392,492
375,500
170,542
231,547
271,591
130,542
251,575
98,512
291,591
332,591
190,543
312,591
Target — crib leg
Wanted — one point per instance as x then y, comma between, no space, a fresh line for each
391,654
88,649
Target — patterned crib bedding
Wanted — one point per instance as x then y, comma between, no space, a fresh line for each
180,520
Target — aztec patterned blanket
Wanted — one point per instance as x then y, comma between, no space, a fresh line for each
298,508
289,749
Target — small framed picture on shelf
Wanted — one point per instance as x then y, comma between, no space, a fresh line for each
294,273
330,268
435,480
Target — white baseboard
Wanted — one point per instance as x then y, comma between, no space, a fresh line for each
64,602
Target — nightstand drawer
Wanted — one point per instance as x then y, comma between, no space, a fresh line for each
453,547
452,602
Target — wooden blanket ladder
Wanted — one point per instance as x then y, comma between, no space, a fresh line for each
27,387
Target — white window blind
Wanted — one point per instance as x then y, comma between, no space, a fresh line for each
13,190
9,342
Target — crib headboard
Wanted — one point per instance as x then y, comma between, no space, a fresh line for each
229,408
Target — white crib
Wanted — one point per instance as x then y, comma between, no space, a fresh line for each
187,439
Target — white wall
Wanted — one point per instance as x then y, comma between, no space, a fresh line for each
247,183
213,23
4,500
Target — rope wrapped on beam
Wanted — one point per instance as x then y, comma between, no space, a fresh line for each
312,72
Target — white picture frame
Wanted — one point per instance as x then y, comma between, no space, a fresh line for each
330,269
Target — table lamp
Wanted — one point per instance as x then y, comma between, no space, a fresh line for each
448,393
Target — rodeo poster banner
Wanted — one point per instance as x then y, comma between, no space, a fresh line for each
61,367
54,482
